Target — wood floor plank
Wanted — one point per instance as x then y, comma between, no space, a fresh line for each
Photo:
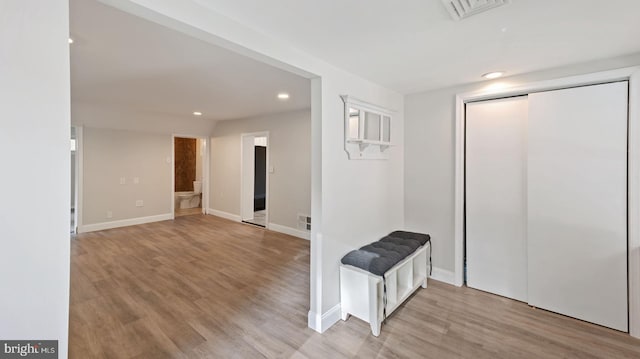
205,287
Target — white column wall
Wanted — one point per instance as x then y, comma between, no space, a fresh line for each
34,136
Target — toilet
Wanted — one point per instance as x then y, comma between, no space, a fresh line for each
190,199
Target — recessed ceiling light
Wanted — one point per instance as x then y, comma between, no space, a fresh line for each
197,113
70,40
283,96
493,75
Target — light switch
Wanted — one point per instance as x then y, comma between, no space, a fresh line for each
271,169
123,180
136,180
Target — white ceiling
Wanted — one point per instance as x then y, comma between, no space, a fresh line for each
412,45
122,61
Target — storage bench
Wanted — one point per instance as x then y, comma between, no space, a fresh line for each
374,281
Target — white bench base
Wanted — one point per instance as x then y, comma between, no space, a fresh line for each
361,293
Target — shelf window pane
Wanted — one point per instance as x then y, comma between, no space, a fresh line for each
386,129
354,123
371,126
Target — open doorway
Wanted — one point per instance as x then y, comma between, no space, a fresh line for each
255,183
197,89
74,181
189,167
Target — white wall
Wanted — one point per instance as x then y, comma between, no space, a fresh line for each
262,141
430,153
120,118
110,155
120,142
34,117
362,200
289,154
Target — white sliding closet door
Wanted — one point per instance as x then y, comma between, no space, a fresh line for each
496,196
577,203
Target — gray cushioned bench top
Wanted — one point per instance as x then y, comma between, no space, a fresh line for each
380,256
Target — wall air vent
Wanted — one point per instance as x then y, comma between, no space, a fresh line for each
462,9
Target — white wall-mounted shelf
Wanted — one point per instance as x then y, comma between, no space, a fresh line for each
364,143
367,129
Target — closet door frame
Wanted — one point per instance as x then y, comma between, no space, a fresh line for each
631,74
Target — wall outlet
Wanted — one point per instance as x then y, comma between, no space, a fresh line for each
123,180
109,214
304,222
136,180
139,203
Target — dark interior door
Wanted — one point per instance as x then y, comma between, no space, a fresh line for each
260,185
185,164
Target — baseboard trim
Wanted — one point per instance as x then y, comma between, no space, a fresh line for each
314,320
123,223
320,323
225,215
442,275
331,317
271,226
290,231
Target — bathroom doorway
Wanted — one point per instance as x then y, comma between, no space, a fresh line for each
189,175
255,178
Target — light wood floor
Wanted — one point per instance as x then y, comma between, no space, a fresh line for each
259,218
204,287
187,211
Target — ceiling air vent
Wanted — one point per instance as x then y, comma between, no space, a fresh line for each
462,9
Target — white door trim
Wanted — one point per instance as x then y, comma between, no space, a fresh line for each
267,196
204,203
630,73
206,173
79,177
